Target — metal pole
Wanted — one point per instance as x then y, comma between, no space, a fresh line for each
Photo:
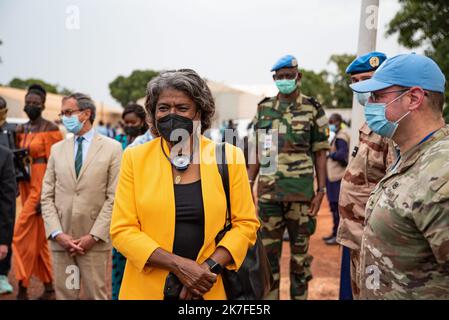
366,43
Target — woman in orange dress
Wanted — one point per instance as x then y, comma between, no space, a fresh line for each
31,255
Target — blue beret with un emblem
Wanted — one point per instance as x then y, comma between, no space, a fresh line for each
287,61
368,62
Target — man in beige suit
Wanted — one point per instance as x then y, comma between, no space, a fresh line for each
77,199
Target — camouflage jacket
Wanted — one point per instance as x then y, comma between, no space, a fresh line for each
289,134
405,245
369,163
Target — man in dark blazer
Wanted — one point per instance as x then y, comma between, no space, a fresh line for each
7,214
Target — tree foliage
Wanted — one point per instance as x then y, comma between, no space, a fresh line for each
425,23
131,88
50,88
316,85
341,91
25,83
331,89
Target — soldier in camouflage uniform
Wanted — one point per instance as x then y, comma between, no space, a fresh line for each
369,162
405,244
291,129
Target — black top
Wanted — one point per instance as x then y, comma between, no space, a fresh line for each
7,196
8,136
189,226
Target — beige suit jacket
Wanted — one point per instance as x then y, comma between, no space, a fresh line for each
83,205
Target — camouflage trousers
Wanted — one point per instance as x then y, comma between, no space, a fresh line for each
274,218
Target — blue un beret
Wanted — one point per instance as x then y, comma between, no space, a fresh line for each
287,61
405,70
368,62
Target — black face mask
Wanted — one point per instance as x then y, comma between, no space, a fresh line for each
33,112
133,131
166,125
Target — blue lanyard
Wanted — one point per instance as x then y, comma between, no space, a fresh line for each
422,141
427,137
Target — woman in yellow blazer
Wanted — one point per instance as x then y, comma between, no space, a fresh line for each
170,203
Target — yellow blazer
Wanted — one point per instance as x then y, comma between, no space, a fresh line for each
143,217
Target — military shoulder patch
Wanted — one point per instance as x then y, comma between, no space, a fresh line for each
322,121
266,99
314,102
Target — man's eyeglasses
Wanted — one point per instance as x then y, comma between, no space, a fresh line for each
68,113
375,96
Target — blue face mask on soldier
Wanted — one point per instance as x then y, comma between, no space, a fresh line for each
362,98
377,121
72,124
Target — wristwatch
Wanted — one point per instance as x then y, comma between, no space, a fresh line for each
214,266
322,190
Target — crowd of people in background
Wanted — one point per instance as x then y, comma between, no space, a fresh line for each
174,220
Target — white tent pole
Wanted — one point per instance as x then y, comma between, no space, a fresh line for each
366,43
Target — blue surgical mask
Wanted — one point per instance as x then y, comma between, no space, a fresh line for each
72,124
286,86
377,121
362,98
333,127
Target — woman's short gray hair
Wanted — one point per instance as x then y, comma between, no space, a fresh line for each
84,102
187,81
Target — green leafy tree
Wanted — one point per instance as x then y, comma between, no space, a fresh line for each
24,84
51,88
131,88
342,93
425,23
316,85
65,92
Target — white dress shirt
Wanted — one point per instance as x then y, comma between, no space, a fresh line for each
88,136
